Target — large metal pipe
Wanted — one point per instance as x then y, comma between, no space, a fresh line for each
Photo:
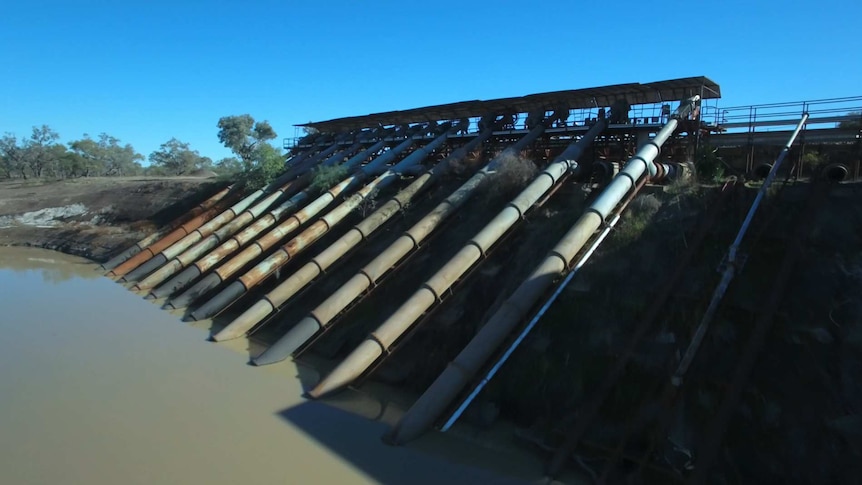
251,233
731,263
588,410
803,226
230,246
471,359
191,254
138,246
304,276
172,237
532,323
381,340
266,267
189,228
210,227
322,316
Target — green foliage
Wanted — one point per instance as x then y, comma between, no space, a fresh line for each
176,158
708,165
326,177
814,159
243,136
41,156
105,157
636,219
265,165
852,124
12,157
228,166
40,151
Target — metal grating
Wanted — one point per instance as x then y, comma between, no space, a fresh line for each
633,93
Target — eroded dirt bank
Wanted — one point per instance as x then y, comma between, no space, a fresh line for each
94,217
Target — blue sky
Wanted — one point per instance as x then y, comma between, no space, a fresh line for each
146,71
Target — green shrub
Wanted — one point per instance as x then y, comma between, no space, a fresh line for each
326,177
708,165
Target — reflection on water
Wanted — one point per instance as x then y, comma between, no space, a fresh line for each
99,386
54,267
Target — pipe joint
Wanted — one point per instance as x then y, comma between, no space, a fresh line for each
652,142
596,212
319,266
270,302
413,239
383,348
437,298
628,176
561,258
518,209
371,282
553,180
472,242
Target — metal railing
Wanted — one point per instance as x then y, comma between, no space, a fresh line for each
783,116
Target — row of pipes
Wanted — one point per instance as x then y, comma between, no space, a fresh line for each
226,234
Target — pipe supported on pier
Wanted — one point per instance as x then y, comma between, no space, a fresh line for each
279,258
381,340
322,316
270,303
470,360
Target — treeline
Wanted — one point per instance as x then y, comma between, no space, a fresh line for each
41,156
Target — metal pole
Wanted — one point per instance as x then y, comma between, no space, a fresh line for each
731,265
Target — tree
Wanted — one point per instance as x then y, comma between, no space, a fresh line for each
176,158
106,156
266,164
38,149
242,135
228,166
87,157
13,158
854,124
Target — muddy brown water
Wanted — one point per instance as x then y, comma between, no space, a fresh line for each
98,386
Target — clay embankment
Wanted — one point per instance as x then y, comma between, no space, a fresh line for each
94,217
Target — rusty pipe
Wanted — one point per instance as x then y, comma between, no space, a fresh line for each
204,263
381,340
143,243
304,276
194,236
195,226
266,267
323,316
470,360
188,256
191,254
154,248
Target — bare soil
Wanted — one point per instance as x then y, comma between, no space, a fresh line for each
94,217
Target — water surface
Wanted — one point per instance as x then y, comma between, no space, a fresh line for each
101,387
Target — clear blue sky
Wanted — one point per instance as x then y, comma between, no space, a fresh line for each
146,71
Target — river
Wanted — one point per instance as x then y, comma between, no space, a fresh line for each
99,386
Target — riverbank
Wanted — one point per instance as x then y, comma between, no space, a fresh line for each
96,216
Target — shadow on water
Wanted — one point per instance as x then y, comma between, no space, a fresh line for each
348,425
364,450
